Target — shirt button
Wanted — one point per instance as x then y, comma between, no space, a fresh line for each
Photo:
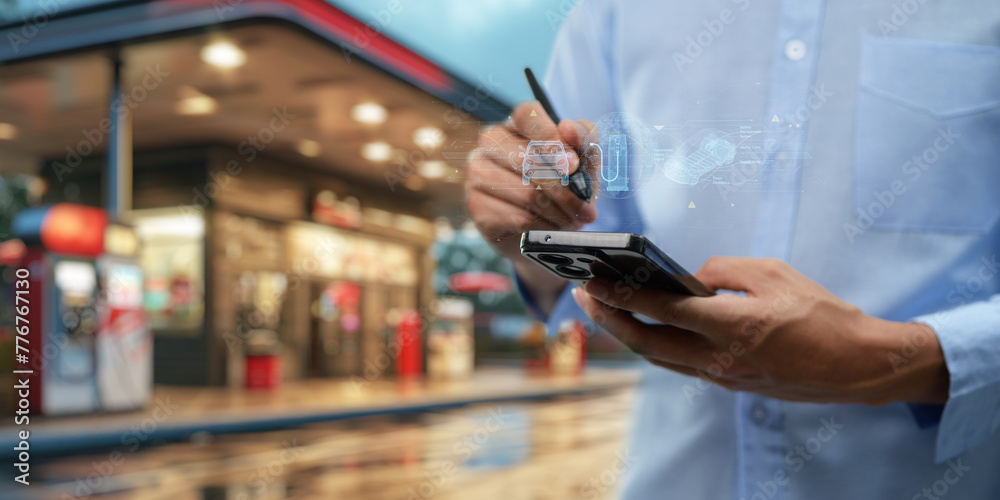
795,50
758,414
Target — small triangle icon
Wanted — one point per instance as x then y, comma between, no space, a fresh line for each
691,205
535,114
658,127
538,188
773,120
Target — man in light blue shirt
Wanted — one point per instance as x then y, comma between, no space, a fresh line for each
849,153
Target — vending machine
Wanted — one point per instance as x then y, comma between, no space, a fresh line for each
124,343
63,242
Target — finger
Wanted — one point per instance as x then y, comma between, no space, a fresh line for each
740,274
530,120
578,133
506,185
710,316
499,219
683,370
659,342
582,135
496,145
500,146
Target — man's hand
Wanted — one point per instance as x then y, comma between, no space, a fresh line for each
787,338
503,208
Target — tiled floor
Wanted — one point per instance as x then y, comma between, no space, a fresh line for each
561,448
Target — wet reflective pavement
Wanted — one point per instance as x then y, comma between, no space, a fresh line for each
565,447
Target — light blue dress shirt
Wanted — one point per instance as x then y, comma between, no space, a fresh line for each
861,145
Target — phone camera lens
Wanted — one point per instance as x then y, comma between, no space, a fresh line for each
548,238
552,258
573,271
585,260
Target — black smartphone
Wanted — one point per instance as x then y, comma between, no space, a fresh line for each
625,258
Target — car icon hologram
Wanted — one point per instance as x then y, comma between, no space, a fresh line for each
545,160
713,151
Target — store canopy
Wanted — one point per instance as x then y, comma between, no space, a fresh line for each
87,24
305,61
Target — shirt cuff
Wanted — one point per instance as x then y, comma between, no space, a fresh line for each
970,338
926,415
529,301
564,309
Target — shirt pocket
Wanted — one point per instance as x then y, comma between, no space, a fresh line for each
927,145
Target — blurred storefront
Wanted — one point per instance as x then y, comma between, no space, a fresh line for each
286,164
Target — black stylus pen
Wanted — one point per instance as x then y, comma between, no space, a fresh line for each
579,181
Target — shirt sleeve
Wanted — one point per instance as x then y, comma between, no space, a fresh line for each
970,338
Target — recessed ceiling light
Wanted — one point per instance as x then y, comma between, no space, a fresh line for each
308,147
203,105
223,55
371,113
8,131
376,151
193,102
428,138
433,169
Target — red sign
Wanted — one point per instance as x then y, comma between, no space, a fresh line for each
74,230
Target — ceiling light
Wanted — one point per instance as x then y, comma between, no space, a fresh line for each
192,102
223,55
428,138
308,147
203,105
8,131
376,151
183,226
371,113
433,169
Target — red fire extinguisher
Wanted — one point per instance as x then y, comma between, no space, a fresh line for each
410,341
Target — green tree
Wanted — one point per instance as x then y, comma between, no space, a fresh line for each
14,197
